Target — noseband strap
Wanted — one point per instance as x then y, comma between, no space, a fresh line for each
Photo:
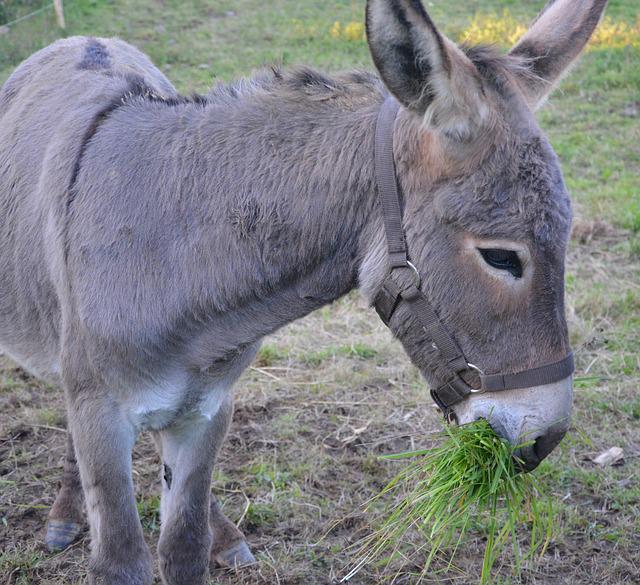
398,288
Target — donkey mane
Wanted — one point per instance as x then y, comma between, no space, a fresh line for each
305,82
496,68
302,82
291,85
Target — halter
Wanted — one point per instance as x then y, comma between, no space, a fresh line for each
395,290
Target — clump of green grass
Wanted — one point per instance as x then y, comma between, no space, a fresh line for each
471,480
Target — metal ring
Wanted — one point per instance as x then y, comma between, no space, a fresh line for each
416,274
477,369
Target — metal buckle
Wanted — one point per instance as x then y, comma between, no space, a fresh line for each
403,262
476,369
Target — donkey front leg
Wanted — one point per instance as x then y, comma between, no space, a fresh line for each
66,514
189,450
103,440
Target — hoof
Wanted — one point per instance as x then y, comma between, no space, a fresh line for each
237,556
61,534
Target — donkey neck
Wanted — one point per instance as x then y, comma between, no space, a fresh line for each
292,182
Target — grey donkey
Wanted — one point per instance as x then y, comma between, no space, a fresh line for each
150,241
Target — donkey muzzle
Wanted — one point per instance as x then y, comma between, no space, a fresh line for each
535,419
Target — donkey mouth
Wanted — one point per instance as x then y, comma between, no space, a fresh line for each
534,420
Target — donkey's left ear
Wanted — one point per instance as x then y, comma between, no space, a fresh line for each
423,69
553,42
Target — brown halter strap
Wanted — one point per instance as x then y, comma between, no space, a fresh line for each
394,291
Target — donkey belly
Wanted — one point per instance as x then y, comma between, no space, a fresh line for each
29,308
29,322
47,109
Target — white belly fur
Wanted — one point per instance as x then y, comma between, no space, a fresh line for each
158,406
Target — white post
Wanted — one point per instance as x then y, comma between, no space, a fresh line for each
57,4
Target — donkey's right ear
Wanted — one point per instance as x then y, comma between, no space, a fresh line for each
424,70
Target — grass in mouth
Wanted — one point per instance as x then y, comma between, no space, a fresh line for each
470,480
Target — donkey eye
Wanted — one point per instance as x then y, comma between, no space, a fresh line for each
503,260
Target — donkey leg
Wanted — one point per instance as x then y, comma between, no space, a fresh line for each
229,547
189,450
103,440
185,537
66,515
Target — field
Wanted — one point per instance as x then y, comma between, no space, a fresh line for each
330,393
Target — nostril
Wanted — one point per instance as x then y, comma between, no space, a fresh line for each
527,458
547,443
540,449
531,455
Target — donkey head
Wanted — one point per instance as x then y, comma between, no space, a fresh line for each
486,212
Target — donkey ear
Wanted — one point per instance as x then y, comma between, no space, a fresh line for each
425,71
553,42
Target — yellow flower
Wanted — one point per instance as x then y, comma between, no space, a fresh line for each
506,30
614,35
492,29
354,31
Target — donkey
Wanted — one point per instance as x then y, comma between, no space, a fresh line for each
150,241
